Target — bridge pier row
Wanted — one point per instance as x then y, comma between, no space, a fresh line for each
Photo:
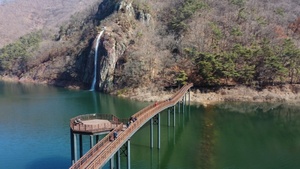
76,140
155,120
77,144
169,115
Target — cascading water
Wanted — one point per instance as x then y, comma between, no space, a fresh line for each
96,60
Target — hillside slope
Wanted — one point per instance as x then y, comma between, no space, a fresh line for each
19,17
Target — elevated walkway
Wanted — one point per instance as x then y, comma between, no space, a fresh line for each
104,150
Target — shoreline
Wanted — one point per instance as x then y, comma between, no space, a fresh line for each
272,94
287,93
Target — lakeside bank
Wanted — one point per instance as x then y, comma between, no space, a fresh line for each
287,93
284,93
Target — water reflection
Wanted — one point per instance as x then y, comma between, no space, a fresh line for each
260,135
34,127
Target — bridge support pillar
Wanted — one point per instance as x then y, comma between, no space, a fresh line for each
80,146
128,155
158,130
189,96
73,146
112,162
119,159
183,103
91,141
179,106
169,110
97,139
174,114
151,133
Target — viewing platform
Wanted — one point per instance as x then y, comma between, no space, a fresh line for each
95,123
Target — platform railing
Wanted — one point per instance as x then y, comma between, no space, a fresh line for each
144,115
80,127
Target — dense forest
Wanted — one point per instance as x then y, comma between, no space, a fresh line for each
207,42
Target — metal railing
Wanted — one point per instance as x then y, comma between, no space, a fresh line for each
97,157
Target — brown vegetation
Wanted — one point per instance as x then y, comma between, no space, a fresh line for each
19,17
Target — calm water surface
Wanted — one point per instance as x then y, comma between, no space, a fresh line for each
34,132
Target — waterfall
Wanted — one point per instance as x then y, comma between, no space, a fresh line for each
96,61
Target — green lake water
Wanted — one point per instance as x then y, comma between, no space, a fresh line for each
34,132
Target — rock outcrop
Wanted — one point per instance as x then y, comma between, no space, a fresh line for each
114,42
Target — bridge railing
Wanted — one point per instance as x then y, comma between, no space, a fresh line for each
102,156
171,100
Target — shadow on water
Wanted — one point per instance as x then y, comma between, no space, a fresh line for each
52,162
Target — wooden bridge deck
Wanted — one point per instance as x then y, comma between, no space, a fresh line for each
98,155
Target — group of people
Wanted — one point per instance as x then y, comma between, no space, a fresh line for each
131,120
115,134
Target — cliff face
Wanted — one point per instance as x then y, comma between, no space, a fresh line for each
114,42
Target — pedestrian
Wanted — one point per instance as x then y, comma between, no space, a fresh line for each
115,134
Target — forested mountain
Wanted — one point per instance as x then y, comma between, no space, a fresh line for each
166,43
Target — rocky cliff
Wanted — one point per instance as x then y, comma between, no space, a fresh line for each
118,35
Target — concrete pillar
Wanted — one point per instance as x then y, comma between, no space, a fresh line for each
97,139
169,116
75,147
91,141
189,97
119,159
112,162
151,133
183,103
174,114
158,131
128,155
72,147
179,106
80,146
